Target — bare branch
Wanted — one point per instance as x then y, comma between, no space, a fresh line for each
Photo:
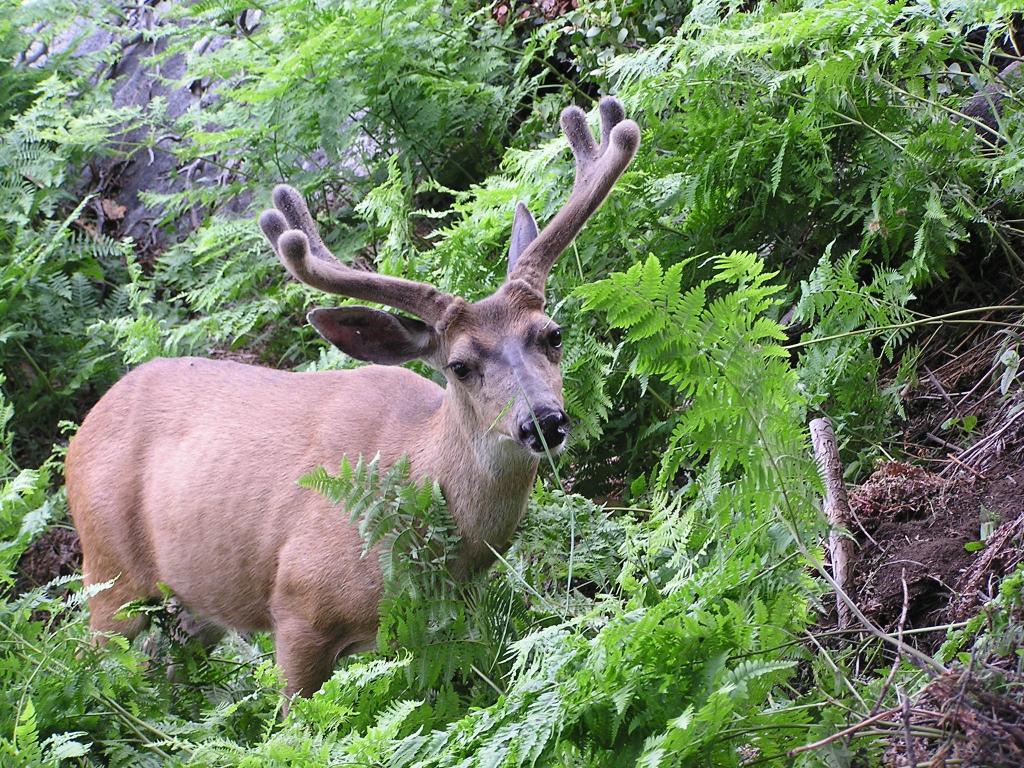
837,508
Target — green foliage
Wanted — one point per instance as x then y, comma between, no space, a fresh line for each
598,30
25,506
711,349
15,82
409,528
819,145
836,360
57,277
420,80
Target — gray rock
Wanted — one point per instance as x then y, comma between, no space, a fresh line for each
145,160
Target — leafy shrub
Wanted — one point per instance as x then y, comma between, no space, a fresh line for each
817,144
58,277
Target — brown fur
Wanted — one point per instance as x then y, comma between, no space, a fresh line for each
185,472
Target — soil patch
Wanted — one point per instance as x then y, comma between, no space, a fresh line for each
915,526
949,530
55,553
949,540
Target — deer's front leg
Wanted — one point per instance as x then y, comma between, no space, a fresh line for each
305,654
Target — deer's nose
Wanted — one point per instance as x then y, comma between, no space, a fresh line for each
553,424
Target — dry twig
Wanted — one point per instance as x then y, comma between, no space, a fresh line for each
837,508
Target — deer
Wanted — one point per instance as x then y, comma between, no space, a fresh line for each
185,472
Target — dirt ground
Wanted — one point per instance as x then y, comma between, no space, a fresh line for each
55,553
951,524
919,527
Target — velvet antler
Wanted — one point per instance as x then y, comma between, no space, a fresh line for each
598,167
294,236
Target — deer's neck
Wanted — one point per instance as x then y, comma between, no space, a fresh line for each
486,479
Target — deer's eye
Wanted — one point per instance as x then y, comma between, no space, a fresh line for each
459,368
555,338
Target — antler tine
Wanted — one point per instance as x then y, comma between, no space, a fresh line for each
598,167
296,240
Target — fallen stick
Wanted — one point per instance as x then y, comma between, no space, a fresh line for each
837,509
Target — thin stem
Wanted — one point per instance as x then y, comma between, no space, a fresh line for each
910,324
950,110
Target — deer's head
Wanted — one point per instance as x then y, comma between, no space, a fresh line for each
500,355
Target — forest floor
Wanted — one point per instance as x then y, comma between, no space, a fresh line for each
944,524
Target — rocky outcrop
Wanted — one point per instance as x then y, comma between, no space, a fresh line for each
144,158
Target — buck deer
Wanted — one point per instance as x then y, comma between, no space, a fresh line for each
185,471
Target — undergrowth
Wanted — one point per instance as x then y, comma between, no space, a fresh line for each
806,171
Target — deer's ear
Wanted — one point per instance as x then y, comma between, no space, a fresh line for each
373,335
524,232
